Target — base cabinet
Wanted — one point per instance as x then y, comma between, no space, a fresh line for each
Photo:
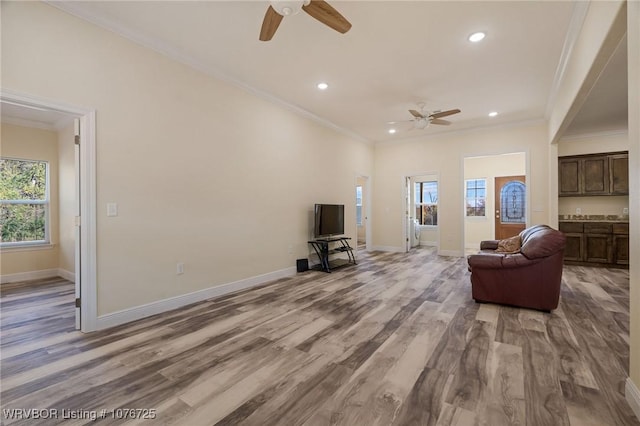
596,243
597,248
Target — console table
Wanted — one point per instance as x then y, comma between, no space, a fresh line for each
326,247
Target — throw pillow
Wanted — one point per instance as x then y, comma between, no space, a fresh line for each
509,245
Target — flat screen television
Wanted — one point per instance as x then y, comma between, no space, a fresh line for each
329,220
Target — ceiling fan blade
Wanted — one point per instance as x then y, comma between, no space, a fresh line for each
270,24
416,114
440,121
444,113
323,12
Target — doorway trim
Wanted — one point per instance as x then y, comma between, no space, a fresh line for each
367,210
527,173
88,261
406,213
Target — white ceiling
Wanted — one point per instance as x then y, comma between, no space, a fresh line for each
398,53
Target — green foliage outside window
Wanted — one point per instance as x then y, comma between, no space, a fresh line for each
23,200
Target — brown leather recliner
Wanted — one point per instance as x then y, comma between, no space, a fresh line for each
530,278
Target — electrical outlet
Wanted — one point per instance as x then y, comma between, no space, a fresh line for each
179,268
578,210
625,210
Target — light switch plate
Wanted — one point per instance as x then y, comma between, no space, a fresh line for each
112,209
625,210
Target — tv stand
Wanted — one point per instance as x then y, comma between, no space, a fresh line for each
323,250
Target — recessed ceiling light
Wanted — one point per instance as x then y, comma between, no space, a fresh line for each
322,86
476,37
493,114
392,131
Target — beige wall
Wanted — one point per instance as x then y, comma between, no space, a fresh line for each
33,144
203,172
66,196
478,229
444,155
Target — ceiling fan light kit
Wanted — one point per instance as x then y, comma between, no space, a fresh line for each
317,9
288,7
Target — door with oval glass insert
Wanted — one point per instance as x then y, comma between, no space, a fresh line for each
510,206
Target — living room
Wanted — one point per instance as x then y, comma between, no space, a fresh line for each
205,173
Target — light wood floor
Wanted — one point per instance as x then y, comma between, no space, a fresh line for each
395,340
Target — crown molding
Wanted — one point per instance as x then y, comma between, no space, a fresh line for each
468,130
75,8
599,134
23,122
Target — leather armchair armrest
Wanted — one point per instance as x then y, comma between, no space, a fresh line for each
489,245
499,261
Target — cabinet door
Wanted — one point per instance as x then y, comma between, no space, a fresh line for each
598,248
621,249
595,175
574,250
569,171
619,174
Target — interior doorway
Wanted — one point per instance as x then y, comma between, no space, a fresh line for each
362,215
480,199
421,216
76,132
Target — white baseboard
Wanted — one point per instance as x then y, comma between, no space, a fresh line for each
153,308
389,248
31,275
69,276
428,243
452,253
632,393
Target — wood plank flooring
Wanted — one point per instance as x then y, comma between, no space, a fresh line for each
394,340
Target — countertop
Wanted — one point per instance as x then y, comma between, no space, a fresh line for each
594,218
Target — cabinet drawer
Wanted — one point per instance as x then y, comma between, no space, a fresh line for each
621,228
571,227
597,228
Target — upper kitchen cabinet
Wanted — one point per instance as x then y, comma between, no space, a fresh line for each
619,174
596,174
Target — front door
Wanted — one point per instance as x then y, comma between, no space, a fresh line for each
510,217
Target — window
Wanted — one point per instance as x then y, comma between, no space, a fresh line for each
359,205
427,203
476,197
24,202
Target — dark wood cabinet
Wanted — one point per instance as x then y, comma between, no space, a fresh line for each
597,248
619,174
621,243
596,243
569,172
594,174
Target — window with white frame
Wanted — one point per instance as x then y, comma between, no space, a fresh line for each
475,197
359,205
426,201
24,202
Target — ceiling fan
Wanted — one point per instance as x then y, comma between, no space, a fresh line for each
422,119
318,9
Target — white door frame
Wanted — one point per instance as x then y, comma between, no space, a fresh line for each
366,194
88,270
